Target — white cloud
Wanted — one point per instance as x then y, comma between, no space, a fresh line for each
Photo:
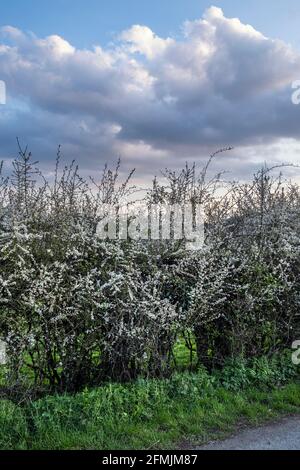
143,40
55,46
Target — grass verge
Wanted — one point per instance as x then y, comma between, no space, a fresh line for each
156,413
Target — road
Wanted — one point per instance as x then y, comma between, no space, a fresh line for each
282,435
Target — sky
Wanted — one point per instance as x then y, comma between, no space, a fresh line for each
88,22
157,83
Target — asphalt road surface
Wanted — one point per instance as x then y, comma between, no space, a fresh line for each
282,435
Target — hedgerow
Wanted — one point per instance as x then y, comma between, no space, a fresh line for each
77,311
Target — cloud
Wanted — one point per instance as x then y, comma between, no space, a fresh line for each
155,101
143,40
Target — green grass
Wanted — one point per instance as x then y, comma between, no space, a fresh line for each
183,357
191,407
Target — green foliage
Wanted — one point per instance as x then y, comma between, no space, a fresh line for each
13,427
155,413
239,374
